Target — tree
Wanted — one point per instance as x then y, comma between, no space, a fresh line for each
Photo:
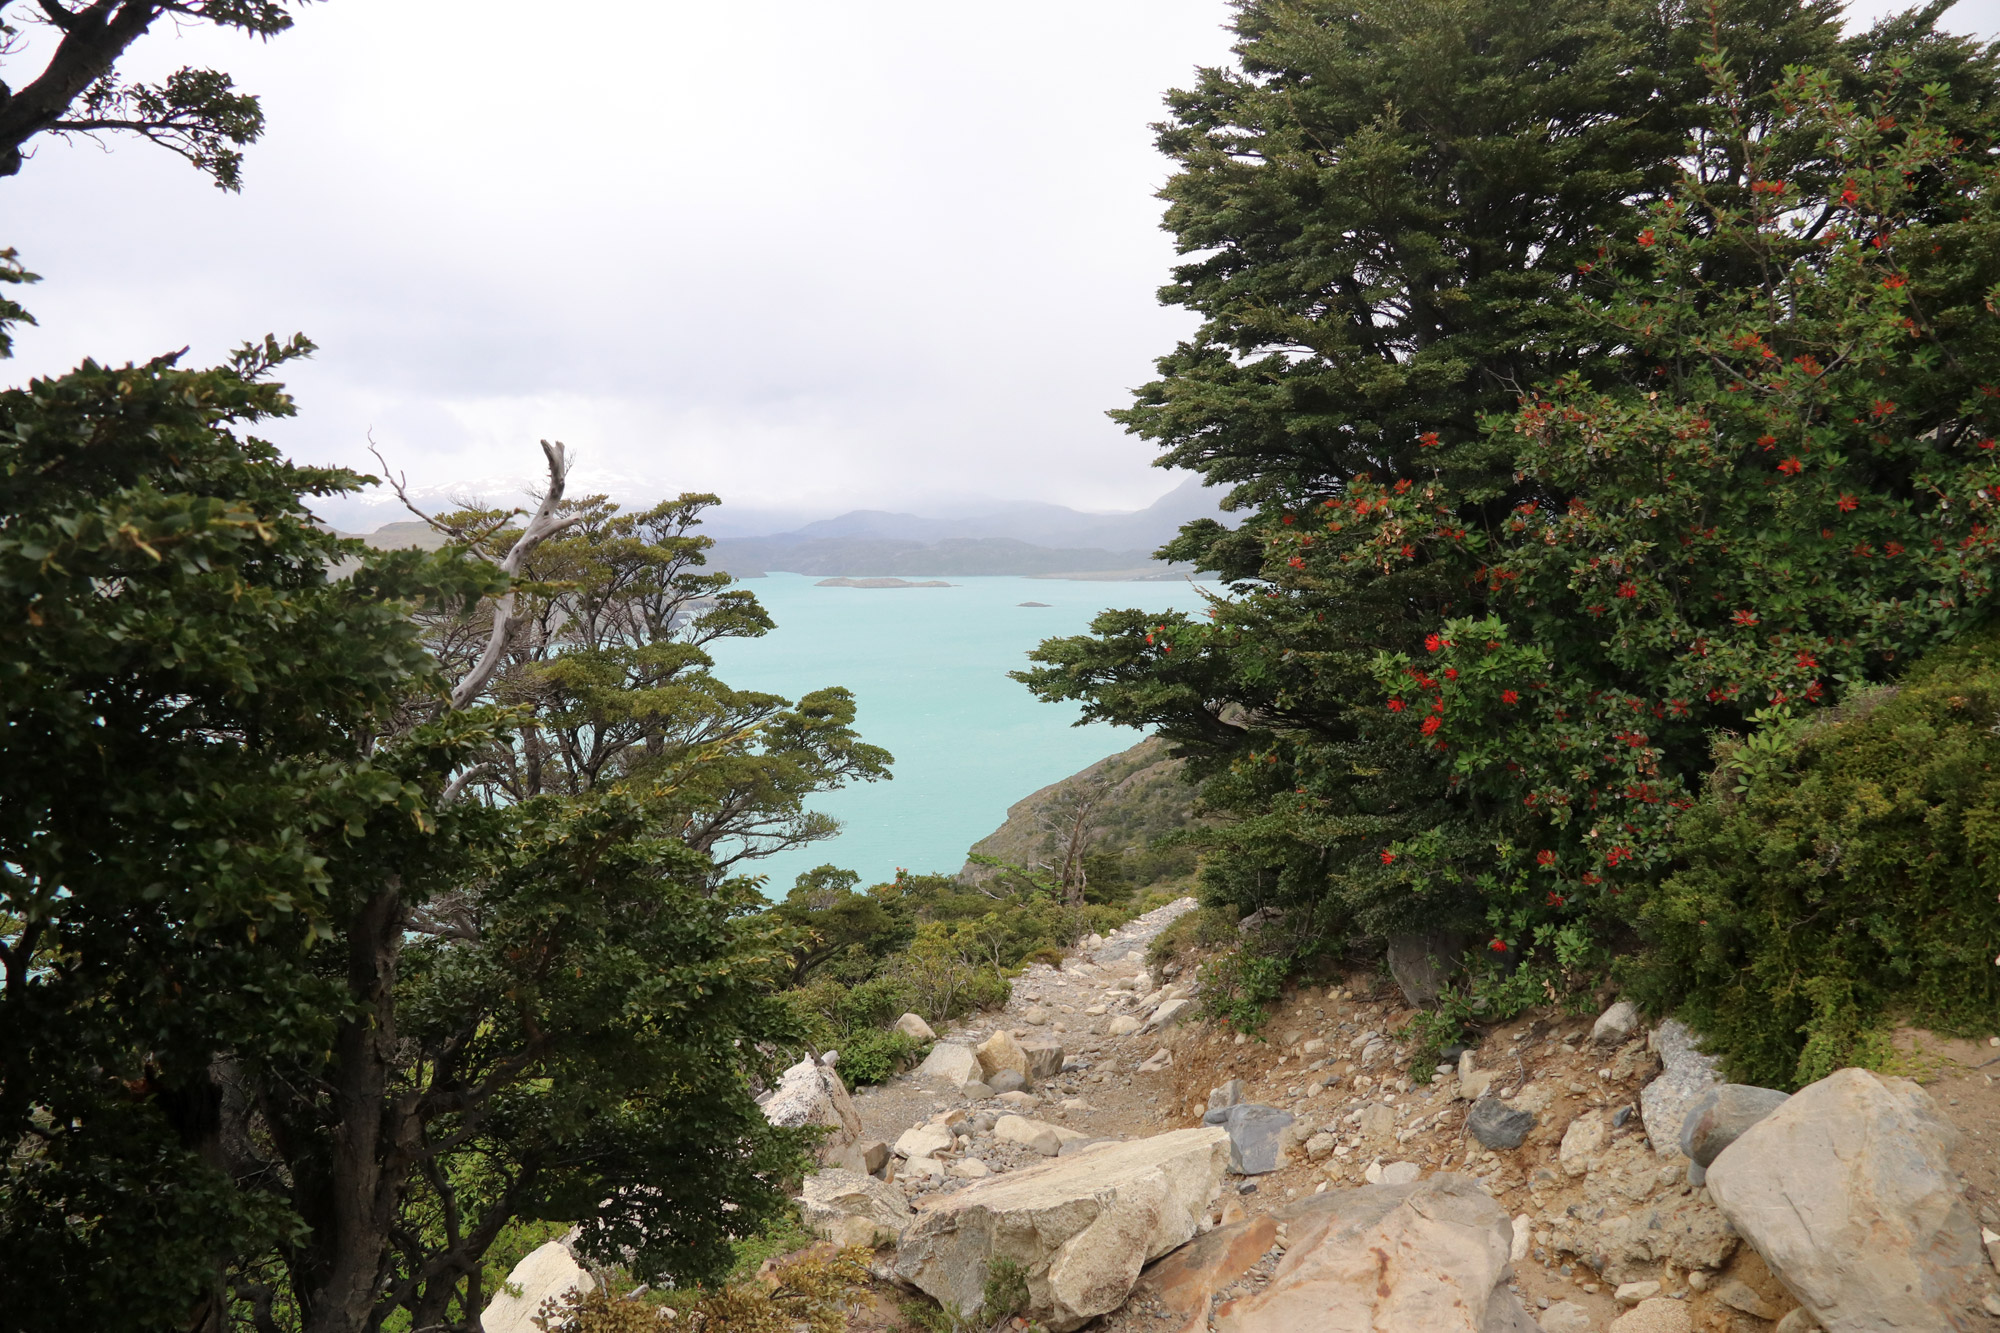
1366,440
603,657
196,113
1069,823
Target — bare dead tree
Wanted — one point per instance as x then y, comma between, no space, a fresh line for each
1069,824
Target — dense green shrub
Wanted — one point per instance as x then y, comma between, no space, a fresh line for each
1843,880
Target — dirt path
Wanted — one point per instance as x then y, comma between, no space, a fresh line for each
1101,1091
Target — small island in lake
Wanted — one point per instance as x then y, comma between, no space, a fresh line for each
882,583
1031,603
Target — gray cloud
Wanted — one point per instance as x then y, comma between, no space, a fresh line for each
808,255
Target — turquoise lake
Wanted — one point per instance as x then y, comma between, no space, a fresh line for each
928,668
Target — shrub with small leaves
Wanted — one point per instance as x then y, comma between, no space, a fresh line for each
808,1291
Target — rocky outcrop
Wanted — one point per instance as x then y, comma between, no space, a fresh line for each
852,1209
1430,1256
810,1094
1846,1194
1080,1227
548,1272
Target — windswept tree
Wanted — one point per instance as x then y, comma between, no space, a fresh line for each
74,87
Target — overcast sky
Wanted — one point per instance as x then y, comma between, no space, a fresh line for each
810,255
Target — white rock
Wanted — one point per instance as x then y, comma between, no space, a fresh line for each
1401,1173
971,1168
1080,1227
547,1272
852,1209
915,1028
1040,1135
925,1141
1157,1061
949,1064
1583,1140
810,1094
1524,1230
1660,1314
1565,1317
1123,1025
1847,1194
1168,1014
1615,1026
921,1167
1631,1293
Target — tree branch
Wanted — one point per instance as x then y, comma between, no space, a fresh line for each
543,525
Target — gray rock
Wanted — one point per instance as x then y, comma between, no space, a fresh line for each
1615,1026
1256,1137
1498,1125
1423,964
1565,1317
1687,1075
1007,1080
1257,920
1847,1193
1721,1116
1226,1096
1045,1058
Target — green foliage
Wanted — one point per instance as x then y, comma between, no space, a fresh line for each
808,1292
1203,928
874,1056
1005,1293
1852,886
1237,987
1728,455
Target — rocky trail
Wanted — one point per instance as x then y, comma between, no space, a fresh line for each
1150,1172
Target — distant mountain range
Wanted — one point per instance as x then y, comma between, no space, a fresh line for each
1023,538
1052,541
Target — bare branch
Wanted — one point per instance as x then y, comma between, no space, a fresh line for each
543,525
458,784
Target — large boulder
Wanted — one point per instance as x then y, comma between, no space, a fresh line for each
913,1027
1000,1051
1431,1255
1044,1056
548,1272
1615,1026
810,1094
1079,1227
1423,964
1168,1014
1846,1193
925,1141
848,1208
1722,1115
949,1064
1686,1076
1256,1136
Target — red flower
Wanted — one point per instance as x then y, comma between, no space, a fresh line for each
1451,673
1430,725
1883,407
1646,236
1556,900
1510,697
1388,858
1628,590
1395,705
1847,504
1592,877
1428,440
1745,617
1767,440
1288,520
1498,946
1894,281
1545,858
1807,662
1851,195
1149,638
1409,552
1892,548
1297,562
1403,486
1433,642
1791,467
